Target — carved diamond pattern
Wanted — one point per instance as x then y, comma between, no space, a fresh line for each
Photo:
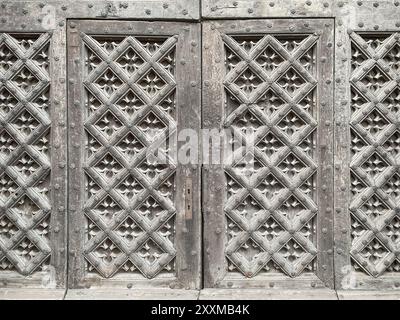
25,165
291,124
373,213
248,81
129,145
392,187
25,123
374,80
151,83
270,171
292,252
129,231
270,144
392,101
392,58
271,229
8,187
292,166
374,208
7,101
269,59
7,58
374,252
130,103
108,167
130,61
7,144
25,80
7,228
141,240
108,82
108,124
129,188
26,250
151,125
374,123
291,82
374,165
25,225
392,231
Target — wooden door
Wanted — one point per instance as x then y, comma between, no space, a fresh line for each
268,219
134,217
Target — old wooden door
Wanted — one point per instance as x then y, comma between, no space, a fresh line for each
132,219
271,83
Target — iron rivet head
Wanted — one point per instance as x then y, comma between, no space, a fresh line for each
361,24
213,8
359,3
308,2
3,5
72,25
250,10
148,11
376,27
129,285
340,4
293,11
165,5
64,8
90,5
25,11
376,4
184,12
397,3
61,23
271,4
23,26
326,4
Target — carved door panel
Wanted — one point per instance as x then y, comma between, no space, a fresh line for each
132,85
32,149
367,237
268,207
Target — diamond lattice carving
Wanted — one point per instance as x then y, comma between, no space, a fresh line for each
375,149
128,106
262,213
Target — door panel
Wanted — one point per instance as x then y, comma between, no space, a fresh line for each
32,163
133,85
268,208
368,254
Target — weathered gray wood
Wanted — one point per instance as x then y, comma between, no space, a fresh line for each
31,294
361,263
32,250
59,10
254,294
125,294
316,200
107,131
